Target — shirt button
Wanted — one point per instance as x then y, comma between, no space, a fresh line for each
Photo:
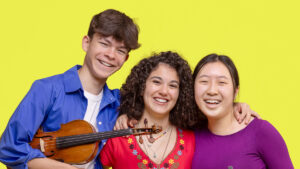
100,123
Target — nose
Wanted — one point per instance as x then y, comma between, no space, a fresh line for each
163,90
212,89
110,53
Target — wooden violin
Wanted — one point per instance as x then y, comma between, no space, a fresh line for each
77,142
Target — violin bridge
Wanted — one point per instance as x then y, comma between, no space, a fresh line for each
42,145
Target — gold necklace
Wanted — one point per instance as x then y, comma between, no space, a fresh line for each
151,139
154,151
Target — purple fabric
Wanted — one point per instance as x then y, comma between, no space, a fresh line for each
258,146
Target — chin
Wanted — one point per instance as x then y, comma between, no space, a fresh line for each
161,112
102,75
211,113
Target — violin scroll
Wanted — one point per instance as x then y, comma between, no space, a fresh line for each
142,131
156,129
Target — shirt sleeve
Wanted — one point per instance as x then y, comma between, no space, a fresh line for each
272,147
106,154
27,118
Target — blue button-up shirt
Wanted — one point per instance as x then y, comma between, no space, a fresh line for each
49,103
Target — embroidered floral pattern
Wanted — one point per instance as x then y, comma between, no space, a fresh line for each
142,166
176,157
175,165
150,165
139,157
145,161
181,141
166,165
172,163
134,152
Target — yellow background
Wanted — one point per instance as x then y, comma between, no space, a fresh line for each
43,38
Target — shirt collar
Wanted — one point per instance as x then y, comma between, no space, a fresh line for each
72,83
109,97
71,79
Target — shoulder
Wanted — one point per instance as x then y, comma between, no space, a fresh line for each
48,85
187,135
271,145
45,85
50,81
264,129
201,133
117,141
58,80
262,126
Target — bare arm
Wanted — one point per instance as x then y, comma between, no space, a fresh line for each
243,113
123,123
47,163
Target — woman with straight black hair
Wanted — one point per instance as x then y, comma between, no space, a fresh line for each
225,143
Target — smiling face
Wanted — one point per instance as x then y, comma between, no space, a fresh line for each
214,92
104,55
162,90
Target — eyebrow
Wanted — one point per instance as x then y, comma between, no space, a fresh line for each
108,41
157,77
124,47
217,76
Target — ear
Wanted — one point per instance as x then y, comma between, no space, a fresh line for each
85,43
236,92
127,56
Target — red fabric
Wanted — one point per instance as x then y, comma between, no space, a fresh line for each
124,153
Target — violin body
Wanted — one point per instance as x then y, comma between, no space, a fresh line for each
77,142
80,154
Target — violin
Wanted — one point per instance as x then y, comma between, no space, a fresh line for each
77,142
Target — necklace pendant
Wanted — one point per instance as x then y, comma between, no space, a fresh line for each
151,140
154,155
141,140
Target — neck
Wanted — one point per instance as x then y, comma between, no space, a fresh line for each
162,121
224,125
89,82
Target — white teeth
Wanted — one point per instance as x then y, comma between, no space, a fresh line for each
161,100
212,101
106,64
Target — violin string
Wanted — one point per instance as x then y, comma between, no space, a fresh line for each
89,137
85,137
80,138
69,141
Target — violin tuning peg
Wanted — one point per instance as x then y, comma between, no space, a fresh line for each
141,140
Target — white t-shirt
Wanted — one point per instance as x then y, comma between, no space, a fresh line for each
90,116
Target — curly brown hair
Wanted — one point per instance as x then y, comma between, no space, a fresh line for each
183,115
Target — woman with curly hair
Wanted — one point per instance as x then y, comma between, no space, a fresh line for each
158,91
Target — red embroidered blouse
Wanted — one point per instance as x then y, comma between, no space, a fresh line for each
124,153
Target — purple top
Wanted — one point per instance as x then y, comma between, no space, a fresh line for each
258,146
